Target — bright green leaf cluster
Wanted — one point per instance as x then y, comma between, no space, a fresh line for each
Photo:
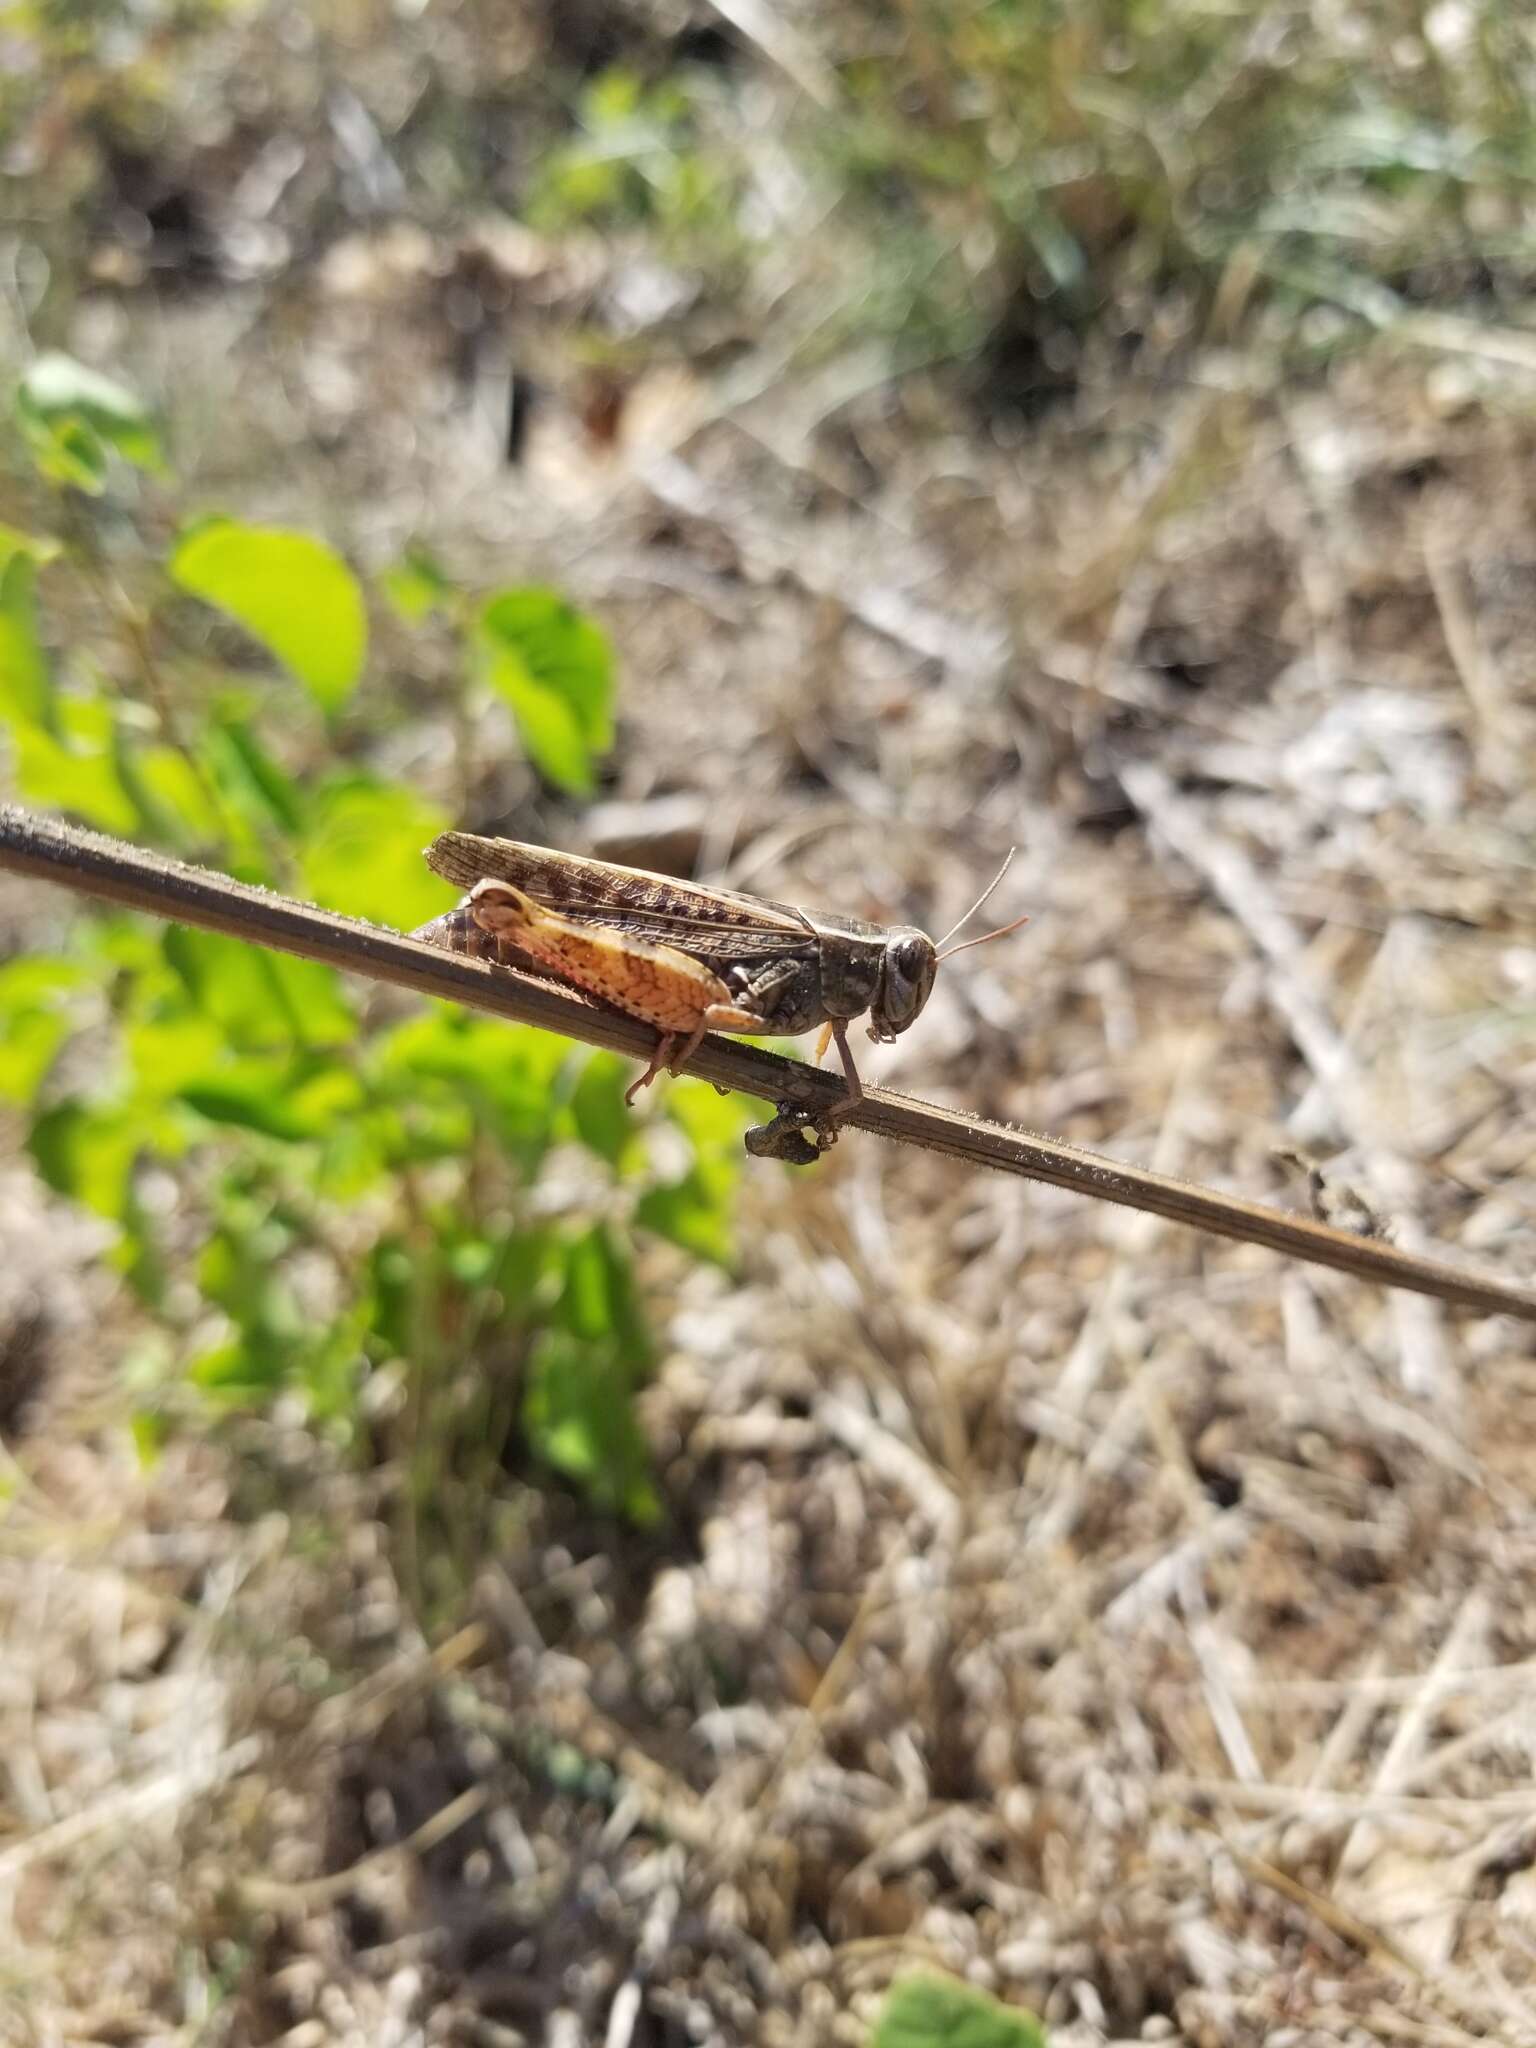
361,1189
73,418
289,591
926,2010
555,669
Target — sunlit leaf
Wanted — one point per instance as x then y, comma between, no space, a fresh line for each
546,724
169,790
691,1213
604,1122
506,1073
926,2010
246,772
289,591
251,1097
34,1022
244,1370
713,1122
554,668
614,96
324,1091
167,1053
88,1154
579,1418
598,1298
29,1043
697,1211
150,1429
64,404
362,854
417,585
26,688
75,769
262,1000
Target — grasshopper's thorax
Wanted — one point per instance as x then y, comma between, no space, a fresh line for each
908,964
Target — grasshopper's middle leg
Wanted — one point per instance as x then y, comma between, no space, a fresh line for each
839,1110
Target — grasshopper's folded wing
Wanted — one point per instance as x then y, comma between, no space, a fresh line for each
712,923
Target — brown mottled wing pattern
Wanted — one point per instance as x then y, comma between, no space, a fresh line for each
708,923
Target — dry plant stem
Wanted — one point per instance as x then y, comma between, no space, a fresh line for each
304,1895
94,865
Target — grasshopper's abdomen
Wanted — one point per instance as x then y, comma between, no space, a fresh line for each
457,932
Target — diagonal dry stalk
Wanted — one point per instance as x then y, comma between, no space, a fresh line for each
95,865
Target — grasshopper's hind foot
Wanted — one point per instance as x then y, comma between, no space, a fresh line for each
661,1062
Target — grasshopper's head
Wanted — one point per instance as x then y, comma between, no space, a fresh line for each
907,967
910,962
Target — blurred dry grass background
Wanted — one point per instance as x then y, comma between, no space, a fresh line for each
1109,432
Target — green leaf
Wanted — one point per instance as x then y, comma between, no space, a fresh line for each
359,1150
565,651
697,1211
713,1123
598,1298
150,1431
88,1154
78,770
604,1121
289,591
69,411
72,454
168,1053
262,1001
247,773
393,1308
690,1213
251,1097
555,670
33,1021
169,791
40,548
612,98
362,853
926,2010
236,1372
504,1075
29,1044
579,1418
238,1270
26,688
417,585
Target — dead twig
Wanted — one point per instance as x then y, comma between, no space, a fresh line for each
97,866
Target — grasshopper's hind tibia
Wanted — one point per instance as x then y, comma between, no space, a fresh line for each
661,1062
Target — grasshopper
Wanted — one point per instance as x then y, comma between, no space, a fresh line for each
686,958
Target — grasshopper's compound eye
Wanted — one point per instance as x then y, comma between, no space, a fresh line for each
906,981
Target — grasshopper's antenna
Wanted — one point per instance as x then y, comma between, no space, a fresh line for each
1002,931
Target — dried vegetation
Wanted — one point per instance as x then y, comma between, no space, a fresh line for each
1130,1623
